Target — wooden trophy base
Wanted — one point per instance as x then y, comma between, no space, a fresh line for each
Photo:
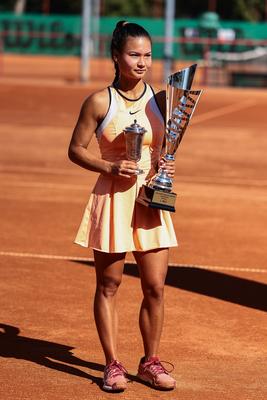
156,198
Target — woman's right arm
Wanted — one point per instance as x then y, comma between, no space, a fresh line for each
83,132
92,113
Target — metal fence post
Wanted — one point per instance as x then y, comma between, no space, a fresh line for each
85,40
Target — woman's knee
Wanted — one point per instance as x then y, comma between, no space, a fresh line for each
154,291
108,286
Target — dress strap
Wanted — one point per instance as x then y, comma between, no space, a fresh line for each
112,108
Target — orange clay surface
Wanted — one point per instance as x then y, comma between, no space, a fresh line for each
215,320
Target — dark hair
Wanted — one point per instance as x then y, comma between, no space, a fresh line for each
121,32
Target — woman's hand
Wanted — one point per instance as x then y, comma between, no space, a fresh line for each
124,168
168,166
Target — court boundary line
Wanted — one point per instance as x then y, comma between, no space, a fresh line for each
219,112
91,260
216,180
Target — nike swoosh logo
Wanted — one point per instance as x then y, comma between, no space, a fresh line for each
133,112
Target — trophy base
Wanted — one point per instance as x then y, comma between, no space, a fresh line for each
156,198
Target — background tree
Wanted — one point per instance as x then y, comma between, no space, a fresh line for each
7,5
246,10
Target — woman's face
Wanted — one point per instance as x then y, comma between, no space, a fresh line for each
135,59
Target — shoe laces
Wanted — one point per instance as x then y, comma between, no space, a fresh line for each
156,367
115,368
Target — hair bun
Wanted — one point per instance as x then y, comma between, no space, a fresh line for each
120,24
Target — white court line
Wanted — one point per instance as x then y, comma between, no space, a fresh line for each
222,180
40,170
223,111
91,260
216,180
46,185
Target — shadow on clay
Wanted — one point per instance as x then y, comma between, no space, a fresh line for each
48,354
215,284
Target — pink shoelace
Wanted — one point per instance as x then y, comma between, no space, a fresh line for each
156,367
114,369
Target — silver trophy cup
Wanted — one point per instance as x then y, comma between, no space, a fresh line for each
181,102
134,135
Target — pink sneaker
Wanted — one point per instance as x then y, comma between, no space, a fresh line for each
114,377
153,372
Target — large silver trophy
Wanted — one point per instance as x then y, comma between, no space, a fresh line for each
181,102
134,135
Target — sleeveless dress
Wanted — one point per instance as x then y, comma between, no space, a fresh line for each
113,221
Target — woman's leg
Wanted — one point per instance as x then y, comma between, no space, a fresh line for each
153,267
109,270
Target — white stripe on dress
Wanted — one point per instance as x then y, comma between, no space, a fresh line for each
109,116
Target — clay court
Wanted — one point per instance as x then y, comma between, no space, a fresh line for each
215,323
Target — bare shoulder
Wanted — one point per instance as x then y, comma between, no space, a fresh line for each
160,96
96,105
158,90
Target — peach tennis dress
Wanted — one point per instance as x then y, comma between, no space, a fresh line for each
113,221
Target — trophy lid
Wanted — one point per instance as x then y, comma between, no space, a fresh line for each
135,128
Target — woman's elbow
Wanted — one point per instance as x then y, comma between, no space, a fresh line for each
72,153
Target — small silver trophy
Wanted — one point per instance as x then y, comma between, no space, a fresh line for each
134,135
180,105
